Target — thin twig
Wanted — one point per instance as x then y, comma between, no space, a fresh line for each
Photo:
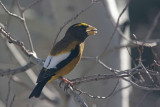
154,24
150,77
71,19
89,95
141,87
132,42
150,43
115,29
96,97
143,98
9,13
31,5
107,67
20,44
9,90
12,40
77,98
25,27
121,89
16,70
129,71
9,17
72,92
12,101
97,77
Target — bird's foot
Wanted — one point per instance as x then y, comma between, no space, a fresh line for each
68,83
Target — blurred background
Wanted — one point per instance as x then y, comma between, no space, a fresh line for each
44,20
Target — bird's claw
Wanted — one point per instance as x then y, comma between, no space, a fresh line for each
60,84
68,83
66,87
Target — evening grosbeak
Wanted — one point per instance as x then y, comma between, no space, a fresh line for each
64,56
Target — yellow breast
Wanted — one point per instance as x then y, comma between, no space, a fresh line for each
70,66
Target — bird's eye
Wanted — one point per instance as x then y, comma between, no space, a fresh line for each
82,29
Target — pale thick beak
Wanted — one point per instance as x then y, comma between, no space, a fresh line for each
91,30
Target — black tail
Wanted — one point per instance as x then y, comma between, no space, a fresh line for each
38,89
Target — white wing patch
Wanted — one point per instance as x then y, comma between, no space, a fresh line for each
47,61
52,61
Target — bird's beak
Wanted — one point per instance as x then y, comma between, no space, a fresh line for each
91,30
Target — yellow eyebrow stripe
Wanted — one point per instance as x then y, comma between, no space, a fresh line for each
81,24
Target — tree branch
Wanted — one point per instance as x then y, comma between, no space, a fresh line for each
98,77
17,70
20,44
9,13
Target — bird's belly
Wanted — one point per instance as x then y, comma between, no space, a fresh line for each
66,69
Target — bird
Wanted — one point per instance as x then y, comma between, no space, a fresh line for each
64,56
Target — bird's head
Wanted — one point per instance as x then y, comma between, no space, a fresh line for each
80,31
